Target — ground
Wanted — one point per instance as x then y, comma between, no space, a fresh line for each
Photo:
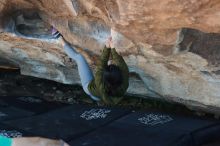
12,83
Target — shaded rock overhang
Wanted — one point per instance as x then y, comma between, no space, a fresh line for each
171,47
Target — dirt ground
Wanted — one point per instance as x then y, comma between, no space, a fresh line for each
12,83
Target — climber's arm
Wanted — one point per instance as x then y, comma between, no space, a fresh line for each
101,65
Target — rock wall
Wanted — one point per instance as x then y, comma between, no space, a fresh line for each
170,46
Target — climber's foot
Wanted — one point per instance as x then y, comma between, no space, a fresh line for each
55,33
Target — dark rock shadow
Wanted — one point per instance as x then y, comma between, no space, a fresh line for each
206,45
28,24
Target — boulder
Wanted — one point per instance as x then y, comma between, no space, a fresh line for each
171,47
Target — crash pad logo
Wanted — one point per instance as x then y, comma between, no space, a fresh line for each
3,114
95,114
30,99
155,119
10,134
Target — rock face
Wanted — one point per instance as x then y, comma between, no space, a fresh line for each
171,47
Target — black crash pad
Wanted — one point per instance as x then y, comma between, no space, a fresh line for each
69,122
12,113
12,132
152,129
3,104
31,103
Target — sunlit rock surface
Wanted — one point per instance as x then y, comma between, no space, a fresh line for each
171,46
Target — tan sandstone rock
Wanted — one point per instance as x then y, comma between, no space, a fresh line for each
170,46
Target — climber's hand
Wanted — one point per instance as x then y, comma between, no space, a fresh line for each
109,43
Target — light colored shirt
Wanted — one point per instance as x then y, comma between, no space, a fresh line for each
4,141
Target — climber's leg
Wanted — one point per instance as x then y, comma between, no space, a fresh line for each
85,73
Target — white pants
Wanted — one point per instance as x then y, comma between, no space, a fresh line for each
85,73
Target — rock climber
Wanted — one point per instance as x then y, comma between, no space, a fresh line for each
110,81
